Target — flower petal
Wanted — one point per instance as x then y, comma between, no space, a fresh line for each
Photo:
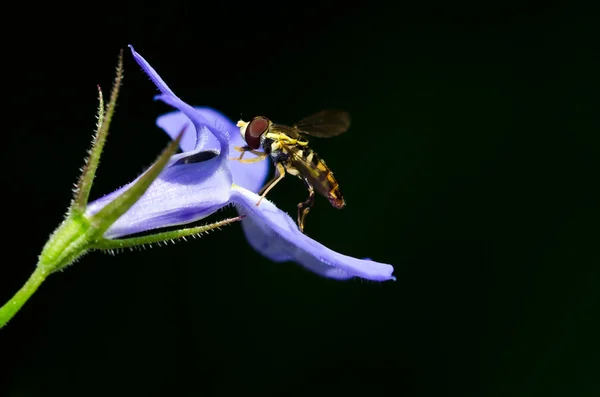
275,235
173,122
198,119
192,186
183,193
250,175
158,82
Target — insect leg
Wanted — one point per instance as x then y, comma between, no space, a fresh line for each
246,148
304,207
259,155
240,149
254,160
280,173
262,189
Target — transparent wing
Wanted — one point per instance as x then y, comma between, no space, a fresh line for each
324,124
292,132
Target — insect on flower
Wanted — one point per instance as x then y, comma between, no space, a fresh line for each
289,150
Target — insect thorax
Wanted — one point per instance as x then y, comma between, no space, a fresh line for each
265,143
273,149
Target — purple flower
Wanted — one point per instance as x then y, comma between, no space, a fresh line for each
201,180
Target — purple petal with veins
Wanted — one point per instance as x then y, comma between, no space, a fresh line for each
251,176
274,234
194,184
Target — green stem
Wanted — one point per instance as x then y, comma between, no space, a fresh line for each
68,242
11,307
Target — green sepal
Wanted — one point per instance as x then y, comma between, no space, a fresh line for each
108,215
163,237
84,185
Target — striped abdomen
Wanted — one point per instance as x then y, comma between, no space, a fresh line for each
310,165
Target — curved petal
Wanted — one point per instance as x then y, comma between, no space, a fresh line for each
173,122
274,234
158,82
191,187
183,193
198,119
250,175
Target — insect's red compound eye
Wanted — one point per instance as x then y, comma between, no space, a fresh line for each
258,126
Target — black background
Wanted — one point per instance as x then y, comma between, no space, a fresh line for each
471,166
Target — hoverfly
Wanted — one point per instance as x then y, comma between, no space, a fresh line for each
289,151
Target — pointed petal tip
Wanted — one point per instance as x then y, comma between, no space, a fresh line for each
389,277
275,235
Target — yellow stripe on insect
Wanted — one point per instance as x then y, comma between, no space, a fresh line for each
286,139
